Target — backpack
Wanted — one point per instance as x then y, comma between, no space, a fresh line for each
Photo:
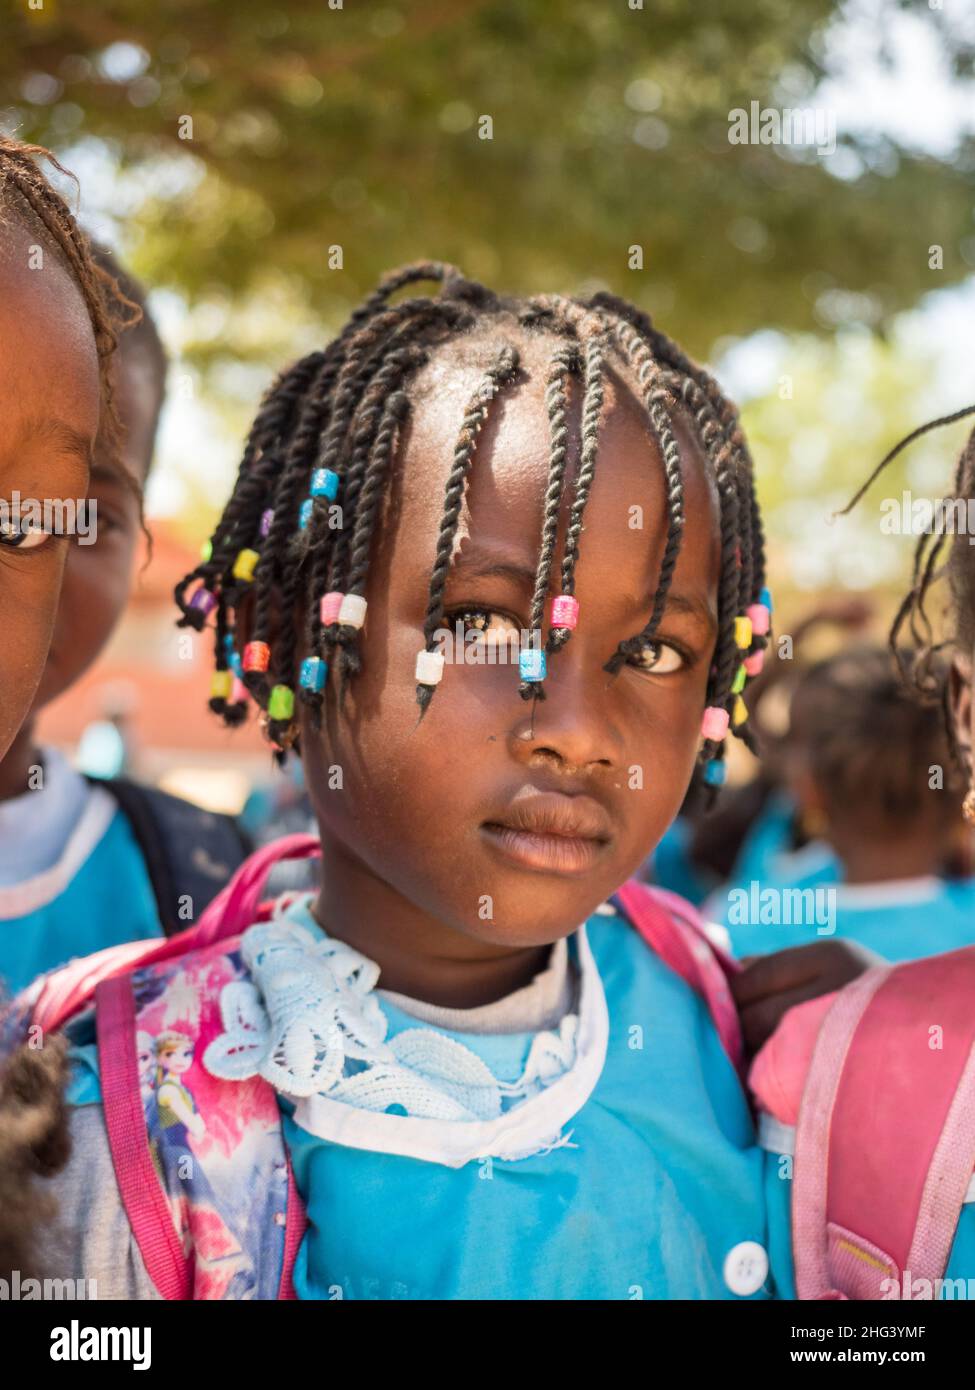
879,1082
190,853
236,1231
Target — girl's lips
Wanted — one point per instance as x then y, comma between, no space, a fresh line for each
562,854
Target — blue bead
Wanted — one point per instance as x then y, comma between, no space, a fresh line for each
766,598
304,516
235,664
531,664
715,772
324,483
313,673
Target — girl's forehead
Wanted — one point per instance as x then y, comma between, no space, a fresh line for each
504,500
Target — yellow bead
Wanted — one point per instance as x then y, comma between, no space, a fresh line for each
743,633
220,684
245,565
740,712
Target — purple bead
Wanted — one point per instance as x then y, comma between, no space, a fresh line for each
266,519
203,601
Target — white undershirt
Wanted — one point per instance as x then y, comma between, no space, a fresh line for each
36,826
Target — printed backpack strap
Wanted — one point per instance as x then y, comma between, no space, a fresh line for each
67,990
885,1143
146,1206
671,928
142,1196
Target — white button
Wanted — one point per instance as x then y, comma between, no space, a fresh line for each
606,910
746,1268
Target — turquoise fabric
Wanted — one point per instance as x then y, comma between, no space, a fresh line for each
109,901
662,1181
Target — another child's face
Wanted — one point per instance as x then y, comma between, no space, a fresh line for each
49,399
98,573
420,805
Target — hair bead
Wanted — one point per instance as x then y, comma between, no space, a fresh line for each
245,565
330,606
257,656
206,551
738,684
531,664
304,516
221,684
715,723
204,600
740,713
765,596
324,483
565,611
754,663
267,516
429,667
352,612
715,772
761,619
743,633
313,673
281,702
239,692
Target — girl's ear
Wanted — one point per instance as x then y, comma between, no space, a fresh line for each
960,708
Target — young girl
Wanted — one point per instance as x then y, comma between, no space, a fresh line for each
486,1083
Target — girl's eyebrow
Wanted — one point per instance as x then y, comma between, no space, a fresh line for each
59,432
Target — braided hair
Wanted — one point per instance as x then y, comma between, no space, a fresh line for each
300,524
27,195
919,656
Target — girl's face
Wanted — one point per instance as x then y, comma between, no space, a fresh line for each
49,397
474,821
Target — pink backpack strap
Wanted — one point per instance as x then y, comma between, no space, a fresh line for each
145,1202
885,1143
674,930
235,907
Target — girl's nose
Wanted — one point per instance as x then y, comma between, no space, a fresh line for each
572,726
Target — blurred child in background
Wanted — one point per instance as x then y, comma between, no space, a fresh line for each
868,765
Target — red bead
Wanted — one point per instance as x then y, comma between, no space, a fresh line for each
257,656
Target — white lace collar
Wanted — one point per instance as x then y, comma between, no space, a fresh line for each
309,1022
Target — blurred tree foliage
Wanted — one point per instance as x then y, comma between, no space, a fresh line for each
358,127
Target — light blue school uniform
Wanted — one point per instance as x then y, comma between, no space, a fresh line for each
638,1176
767,852
901,920
72,876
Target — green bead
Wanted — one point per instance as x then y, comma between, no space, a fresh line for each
281,702
738,684
206,551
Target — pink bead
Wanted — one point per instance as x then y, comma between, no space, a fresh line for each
565,611
330,605
715,723
754,663
761,618
238,692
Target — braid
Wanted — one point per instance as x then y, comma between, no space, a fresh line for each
498,374
591,408
564,363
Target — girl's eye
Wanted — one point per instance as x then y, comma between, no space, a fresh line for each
25,537
485,620
659,659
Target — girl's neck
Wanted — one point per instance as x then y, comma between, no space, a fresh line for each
417,954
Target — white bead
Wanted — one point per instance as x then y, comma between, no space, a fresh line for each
353,610
746,1268
429,667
